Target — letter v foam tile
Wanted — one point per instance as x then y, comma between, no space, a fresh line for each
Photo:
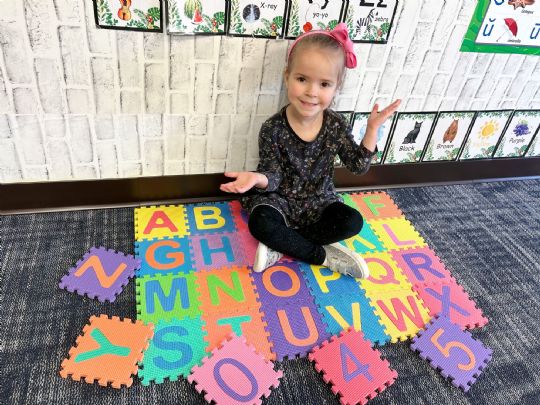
108,351
354,369
235,374
452,351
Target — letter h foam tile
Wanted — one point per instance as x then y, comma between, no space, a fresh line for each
355,370
452,351
235,374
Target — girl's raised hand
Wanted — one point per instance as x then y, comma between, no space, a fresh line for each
244,182
377,118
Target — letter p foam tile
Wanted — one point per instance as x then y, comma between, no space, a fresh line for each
235,374
453,351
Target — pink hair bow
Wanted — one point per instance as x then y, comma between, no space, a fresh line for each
341,34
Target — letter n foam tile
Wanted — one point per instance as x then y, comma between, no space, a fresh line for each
108,351
100,274
355,370
235,374
452,351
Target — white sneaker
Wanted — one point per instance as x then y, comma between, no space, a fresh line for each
265,257
345,261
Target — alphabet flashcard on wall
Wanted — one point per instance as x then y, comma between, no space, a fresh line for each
519,132
448,135
370,20
485,133
258,18
139,15
359,131
196,16
409,137
307,15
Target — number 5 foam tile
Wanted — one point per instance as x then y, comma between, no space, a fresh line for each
396,233
159,222
108,351
209,218
453,351
376,205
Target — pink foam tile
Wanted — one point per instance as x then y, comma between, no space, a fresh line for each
422,265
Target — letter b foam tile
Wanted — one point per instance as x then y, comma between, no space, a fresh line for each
355,370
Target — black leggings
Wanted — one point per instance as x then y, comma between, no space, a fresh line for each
338,221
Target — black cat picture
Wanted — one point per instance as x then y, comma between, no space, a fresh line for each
413,133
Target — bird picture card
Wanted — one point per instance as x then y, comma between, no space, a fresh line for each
519,133
258,18
409,136
448,135
370,20
359,131
308,15
196,16
484,135
138,15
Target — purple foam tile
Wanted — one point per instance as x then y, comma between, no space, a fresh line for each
216,250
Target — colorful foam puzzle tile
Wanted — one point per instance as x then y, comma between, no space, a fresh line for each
384,274
356,371
451,301
324,282
167,255
453,351
217,250
235,374
366,241
240,216
160,222
376,205
422,265
101,273
249,245
208,218
396,233
108,351
176,347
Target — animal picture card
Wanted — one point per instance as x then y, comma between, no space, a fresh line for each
370,20
519,132
534,148
307,15
359,131
485,133
139,15
448,135
258,18
196,16
409,137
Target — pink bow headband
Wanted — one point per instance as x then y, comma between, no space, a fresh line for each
341,34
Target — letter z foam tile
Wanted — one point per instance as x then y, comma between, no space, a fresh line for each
354,369
452,351
108,351
235,374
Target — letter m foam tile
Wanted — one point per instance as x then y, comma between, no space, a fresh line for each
355,370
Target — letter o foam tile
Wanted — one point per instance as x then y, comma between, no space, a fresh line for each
355,370
235,374
452,351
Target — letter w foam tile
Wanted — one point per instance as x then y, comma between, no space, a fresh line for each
235,374
101,274
108,351
355,370
452,351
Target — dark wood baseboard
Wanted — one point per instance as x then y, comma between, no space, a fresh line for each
28,197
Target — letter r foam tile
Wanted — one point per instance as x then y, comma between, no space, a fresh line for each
100,274
108,351
354,369
453,351
235,374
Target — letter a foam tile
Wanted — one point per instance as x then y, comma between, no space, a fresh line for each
355,370
108,351
101,274
235,374
453,351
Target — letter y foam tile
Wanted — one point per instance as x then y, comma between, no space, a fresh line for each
235,374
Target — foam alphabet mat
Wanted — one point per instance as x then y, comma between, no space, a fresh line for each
196,285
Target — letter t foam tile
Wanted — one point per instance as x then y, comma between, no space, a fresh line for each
355,370
235,374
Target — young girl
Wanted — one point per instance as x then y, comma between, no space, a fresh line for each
295,209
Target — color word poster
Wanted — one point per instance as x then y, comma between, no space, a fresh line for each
517,137
485,133
448,135
359,131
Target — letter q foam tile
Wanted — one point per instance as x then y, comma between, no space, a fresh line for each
355,370
108,351
235,374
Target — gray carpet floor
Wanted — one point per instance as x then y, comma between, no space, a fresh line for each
487,234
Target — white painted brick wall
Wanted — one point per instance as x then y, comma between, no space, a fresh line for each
79,102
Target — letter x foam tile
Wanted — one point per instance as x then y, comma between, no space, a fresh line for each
355,370
108,351
452,351
235,374
111,271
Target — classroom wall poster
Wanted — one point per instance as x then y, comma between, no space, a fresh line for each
264,19
517,137
534,148
485,133
359,131
308,15
448,135
370,20
139,15
196,16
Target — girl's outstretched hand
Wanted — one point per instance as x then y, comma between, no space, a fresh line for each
244,182
377,118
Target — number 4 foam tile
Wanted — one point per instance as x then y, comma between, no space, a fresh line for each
453,351
355,370
235,374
